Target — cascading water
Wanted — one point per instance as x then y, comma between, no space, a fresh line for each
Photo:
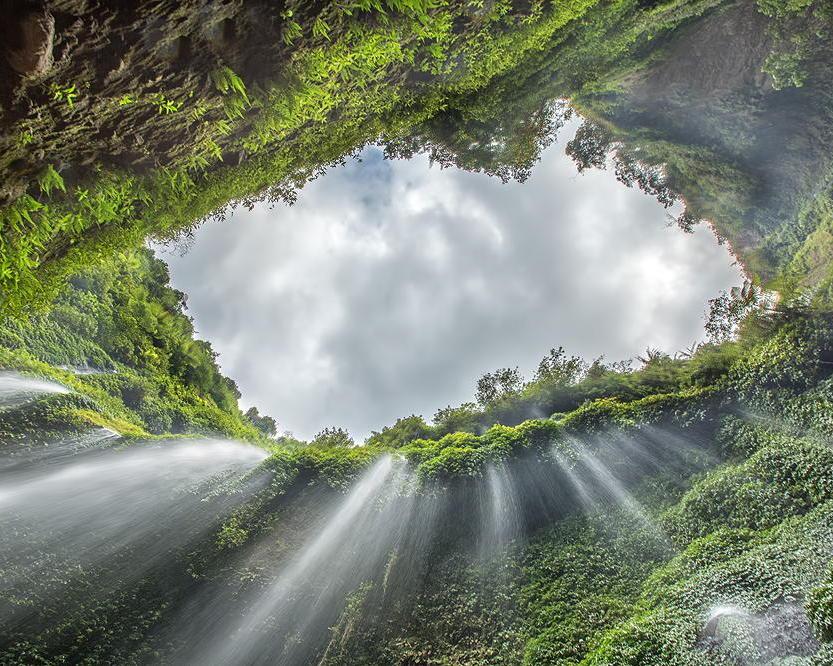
501,512
135,504
607,483
18,459
668,450
582,491
279,622
732,634
17,389
88,503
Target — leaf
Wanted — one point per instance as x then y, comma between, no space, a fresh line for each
50,179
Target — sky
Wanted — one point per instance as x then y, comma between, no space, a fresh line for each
391,286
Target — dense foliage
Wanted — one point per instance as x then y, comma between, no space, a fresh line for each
703,520
94,162
607,584
119,335
344,74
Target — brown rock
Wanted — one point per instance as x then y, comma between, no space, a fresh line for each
33,41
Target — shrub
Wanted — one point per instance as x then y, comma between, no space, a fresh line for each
819,608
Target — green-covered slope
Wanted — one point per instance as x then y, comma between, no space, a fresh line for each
681,513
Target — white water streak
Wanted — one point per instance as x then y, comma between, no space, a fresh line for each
17,389
76,511
333,548
501,517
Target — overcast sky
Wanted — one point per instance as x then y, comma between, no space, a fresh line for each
390,287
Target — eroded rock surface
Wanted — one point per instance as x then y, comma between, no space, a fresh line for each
30,43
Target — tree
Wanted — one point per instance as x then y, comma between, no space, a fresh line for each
404,431
331,438
558,368
503,139
598,368
728,310
590,146
465,418
630,170
653,356
266,424
498,385
686,221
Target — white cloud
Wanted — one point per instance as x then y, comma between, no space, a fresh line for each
391,286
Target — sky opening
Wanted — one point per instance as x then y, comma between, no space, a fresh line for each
391,286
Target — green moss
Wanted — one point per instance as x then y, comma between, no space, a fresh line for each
820,611
582,577
777,565
774,483
125,322
375,72
753,530
88,417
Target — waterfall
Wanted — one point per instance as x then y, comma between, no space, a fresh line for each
500,512
606,484
88,504
16,460
582,490
84,504
287,619
17,389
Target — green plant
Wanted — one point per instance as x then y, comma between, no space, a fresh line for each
50,179
291,29
321,29
785,69
67,94
165,106
235,98
820,611
24,138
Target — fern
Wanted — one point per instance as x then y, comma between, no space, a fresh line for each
50,179
231,86
66,94
165,106
320,29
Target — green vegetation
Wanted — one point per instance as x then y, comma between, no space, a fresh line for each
473,85
710,139
566,388
349,74
703,546
607,588
602,586
122,320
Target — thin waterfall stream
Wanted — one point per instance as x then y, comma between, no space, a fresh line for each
416,333
92,501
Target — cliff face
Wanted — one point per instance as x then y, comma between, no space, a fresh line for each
684,528
686,522
124,121
747,151
148,118
88,81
